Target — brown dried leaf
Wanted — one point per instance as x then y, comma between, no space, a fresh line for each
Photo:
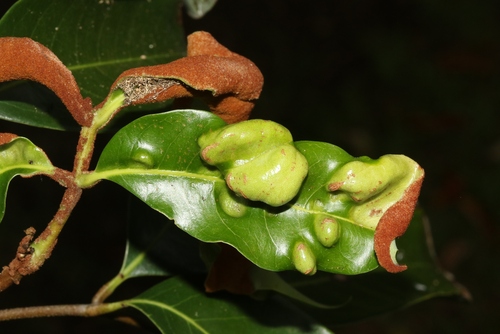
22,58
7,137
393,224
227,81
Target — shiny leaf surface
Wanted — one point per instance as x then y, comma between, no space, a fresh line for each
28,114
19,156
378,292
157,158
177,306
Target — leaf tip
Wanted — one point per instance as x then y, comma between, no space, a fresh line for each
394,223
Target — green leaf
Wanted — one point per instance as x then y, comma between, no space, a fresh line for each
157,159
20,156
176,306
378,292
265,281
98,41
155,247
28,114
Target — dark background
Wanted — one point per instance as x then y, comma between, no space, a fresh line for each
416,77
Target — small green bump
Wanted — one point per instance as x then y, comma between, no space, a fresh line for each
304,259
142,159
232,205
327,230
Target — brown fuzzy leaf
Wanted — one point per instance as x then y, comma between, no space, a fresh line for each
7,137
393,224
227,81
22,58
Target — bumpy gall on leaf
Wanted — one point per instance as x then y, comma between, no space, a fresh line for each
258,160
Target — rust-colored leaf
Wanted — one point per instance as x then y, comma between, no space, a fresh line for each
227,81
22,58
393,224
7,137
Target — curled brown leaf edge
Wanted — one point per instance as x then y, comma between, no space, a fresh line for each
394,224
228,82
22,58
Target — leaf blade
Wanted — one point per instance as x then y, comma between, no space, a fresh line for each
378,292
164,170
177,306
19,156
28,114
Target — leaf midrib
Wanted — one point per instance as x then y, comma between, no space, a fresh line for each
115,61
108,174
25,166
178,313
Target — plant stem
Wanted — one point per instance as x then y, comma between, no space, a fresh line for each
125,272
88,135
84,310
30,257
44,244
84,150
107,289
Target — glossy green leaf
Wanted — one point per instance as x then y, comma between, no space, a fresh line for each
177,306
157,159
379,292
20,157
98,40
28,114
